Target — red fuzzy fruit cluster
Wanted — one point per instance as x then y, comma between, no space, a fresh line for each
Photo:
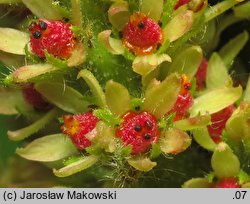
219,120
201,75
227,183
34,98
78,126
55,37
183,103
138,129
142,34
184,100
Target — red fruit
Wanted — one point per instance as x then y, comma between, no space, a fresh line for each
180,3
34,98
78,126
138,129
54,36
227,183
142,34
184,100
183,103
219,120
201,75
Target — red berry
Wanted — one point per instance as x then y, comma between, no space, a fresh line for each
227,183
180,3
34,98
183,103
184,100
142,34
219,120
138,129
201,75
54,36
78,126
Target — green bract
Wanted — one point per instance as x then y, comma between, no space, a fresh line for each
117,97
159,99
186,62
224,162
196,183
142,164
76,167
33,128
64,97
45,9
153,12
13,41
48,148
202,137
179,25
217,75
215,100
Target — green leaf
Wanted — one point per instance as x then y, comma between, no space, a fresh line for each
143,65
186,62
71,160
119,14
152,8
174,141
214,11
11,60
124,152
105,137
94,86
197,183
163,48
179,25
117,97
11,101
193,123
246,96
215,100
48,148
33,128
155,151
76,167
31,56
112,45
106,116
168,8
76,13
217,75
78,56
13,41
224,162
46,9
142,164
237,126
136,104
160,98
202,137
25,73
229,51
242,11
63,96
243,177
55,61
